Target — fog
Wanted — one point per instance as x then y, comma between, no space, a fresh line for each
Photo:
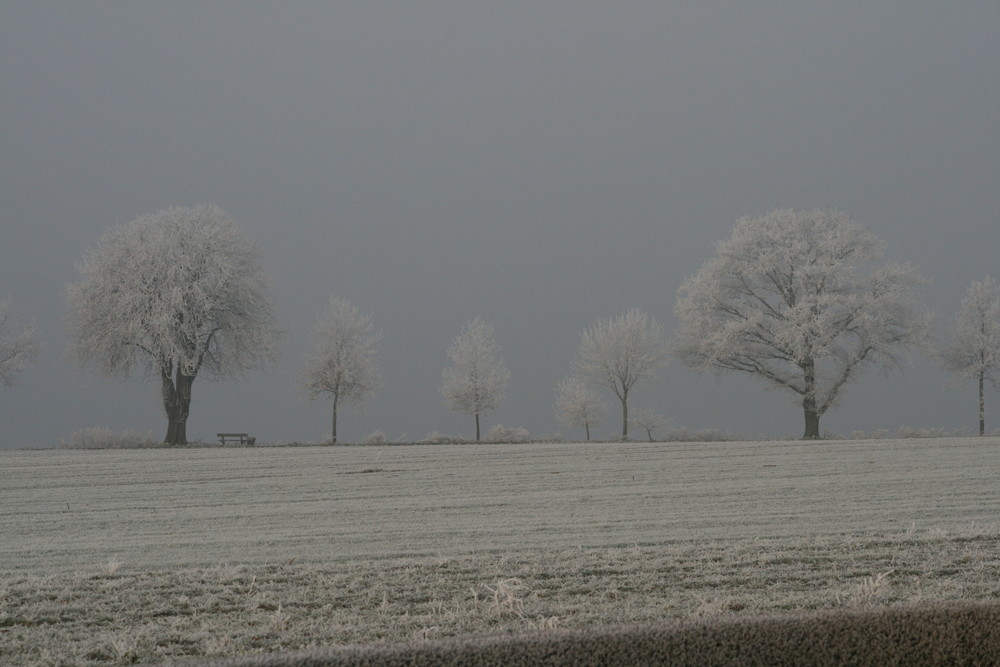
539,165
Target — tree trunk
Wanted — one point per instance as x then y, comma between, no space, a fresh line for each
477,427
176,432
812,422
177,404
982,405
625,417
809,400
333,432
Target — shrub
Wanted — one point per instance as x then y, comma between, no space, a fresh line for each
435,438
376,437
505,434
684,434
908,432
106,438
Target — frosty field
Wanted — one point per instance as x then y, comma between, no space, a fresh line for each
121,555
74,511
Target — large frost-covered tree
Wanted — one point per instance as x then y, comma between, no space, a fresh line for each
18,346
343,363
178,292
577,404
795,297
477,377
974,350
620,352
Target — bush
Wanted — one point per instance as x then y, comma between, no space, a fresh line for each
685,434
506,434
908,432
435,438
376,437
106,438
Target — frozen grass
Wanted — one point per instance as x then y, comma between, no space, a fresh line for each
106,438
117,556
104,617
67,510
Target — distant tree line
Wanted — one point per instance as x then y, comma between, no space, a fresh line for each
18,346
799,299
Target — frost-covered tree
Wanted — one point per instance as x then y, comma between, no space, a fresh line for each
649,420
19,346
620,352
577,404
343,363
179,292
796,298
975,340
477,377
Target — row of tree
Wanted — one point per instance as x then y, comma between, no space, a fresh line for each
799,299
616,353
796,298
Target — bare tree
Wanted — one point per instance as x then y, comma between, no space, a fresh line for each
649,420
785,299
577,404
621,352
343,364
178,292
975,341
19,346
477,377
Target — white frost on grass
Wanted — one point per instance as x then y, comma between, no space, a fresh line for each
61,510
93,617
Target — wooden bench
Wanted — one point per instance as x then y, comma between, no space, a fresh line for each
242,438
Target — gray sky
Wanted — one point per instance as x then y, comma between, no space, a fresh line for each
540,165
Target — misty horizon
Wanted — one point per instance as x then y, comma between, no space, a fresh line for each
539,167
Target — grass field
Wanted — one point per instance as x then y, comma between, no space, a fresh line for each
123,555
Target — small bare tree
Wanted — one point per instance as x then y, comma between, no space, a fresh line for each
577,404
621,352
975,340
179,292
786,298
343,364
648,420
477,377
19,346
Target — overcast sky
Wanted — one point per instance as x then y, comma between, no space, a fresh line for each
538,164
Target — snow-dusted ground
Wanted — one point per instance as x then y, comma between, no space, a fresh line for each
65,511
